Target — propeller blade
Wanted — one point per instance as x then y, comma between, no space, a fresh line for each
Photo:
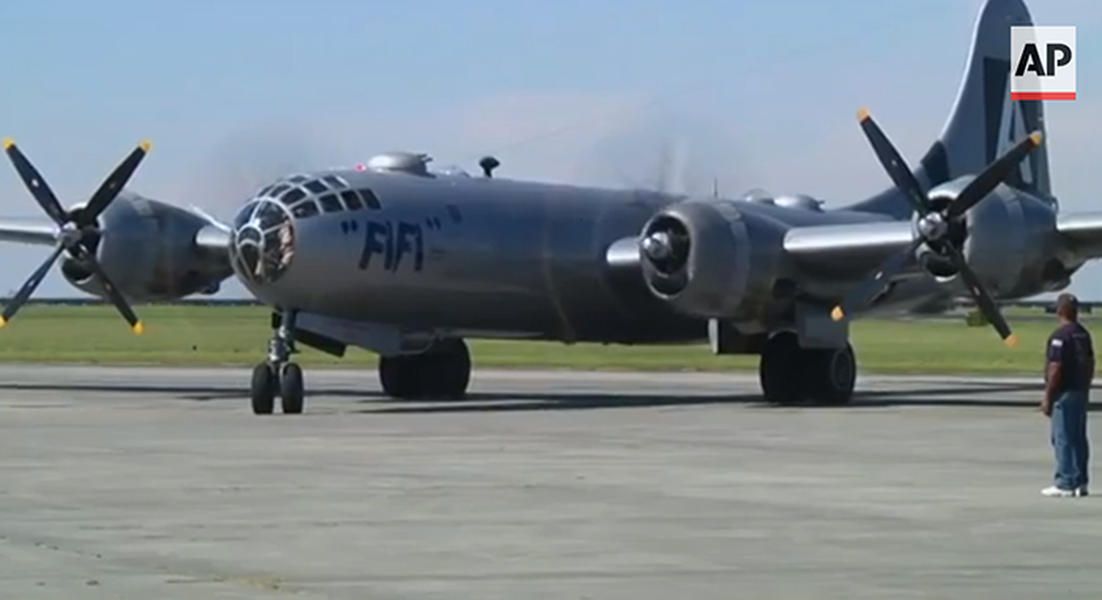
113,184
993,175
863,293
113,293
984,301
29,287
35,183
893,162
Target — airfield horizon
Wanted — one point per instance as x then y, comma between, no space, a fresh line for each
198,335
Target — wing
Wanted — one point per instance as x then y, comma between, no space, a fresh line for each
847,250
28,231
1083,233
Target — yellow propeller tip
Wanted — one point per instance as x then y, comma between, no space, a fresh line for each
1036,137
1011,341
138,328
837,314
3,321
863,114
8,143
146,145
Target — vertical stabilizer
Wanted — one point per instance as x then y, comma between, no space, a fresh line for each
984,120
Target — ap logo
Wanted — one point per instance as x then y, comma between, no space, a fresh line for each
1043,66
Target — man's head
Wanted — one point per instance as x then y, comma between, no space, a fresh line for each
1067,307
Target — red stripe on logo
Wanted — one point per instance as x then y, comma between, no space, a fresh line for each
1042,95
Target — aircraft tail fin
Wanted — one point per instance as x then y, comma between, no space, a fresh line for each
984,120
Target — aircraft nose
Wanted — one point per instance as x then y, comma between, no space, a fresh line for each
263,244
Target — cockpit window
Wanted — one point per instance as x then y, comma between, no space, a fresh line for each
330,203
293,196
335,182
317,187
264,192
277,190
269,214
297,178
352,200
263,241
305,209
244,214
370,199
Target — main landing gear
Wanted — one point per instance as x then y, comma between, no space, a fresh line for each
794,375
278,375
443,371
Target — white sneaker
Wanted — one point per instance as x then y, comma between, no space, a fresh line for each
1056,492
1082,491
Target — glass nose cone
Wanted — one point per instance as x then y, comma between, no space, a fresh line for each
263,241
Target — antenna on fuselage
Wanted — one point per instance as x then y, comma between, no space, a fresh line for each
488,164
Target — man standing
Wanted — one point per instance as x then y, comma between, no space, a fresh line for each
1068,373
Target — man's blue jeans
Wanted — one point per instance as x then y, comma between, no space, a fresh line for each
1069,439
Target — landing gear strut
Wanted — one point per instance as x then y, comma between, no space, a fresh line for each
793,375
278,375
443,371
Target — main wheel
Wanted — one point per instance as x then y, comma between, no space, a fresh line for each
781,368
831,376
291,389
263,388
398,376
450,369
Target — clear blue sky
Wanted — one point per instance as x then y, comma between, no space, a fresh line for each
758,94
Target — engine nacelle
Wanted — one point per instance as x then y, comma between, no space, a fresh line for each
1012,244
698,257
148,249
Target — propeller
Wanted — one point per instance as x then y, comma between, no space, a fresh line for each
934,224
78,229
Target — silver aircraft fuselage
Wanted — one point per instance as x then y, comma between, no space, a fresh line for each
484,257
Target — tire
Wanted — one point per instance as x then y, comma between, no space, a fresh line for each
262,391
444,371
457,375
292,389
831,376
394,376
781,368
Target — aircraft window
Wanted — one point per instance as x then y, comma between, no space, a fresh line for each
370,199
298,179
330,203
293,196
335,182
249,234
264,192
244,215
277,190
269,215
305,209
317,187
352,200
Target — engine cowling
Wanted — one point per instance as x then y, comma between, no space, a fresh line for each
698,257
148,249
1012,244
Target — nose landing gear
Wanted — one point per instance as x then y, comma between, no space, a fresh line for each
278,375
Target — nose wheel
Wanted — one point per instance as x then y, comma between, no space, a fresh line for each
278,375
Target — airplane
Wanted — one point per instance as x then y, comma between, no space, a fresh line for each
408,262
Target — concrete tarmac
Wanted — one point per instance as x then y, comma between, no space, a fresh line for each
160,483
